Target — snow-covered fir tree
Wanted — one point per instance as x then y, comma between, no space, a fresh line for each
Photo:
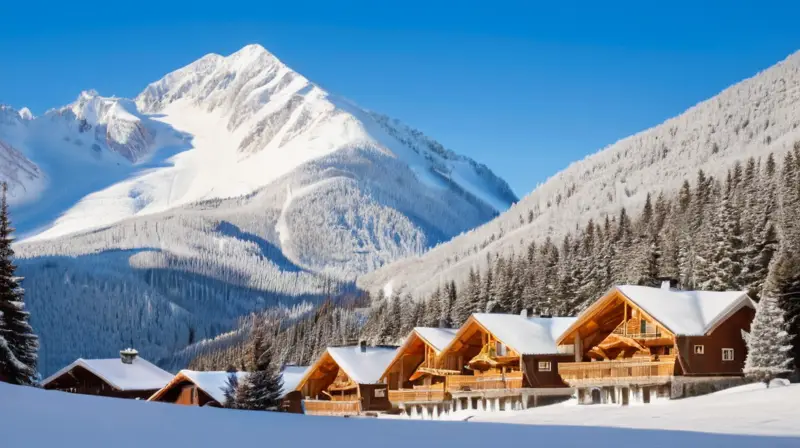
230,390
18,344
768,342
261,389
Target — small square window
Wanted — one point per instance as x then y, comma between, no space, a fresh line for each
727,354
544,366
699,349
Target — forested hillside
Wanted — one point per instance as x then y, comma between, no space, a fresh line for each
735,232
755,117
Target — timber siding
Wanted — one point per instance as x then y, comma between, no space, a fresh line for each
536,378
727,335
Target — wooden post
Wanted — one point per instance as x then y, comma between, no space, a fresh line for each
625,319
578,347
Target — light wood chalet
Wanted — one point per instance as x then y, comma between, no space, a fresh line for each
128,376
192,388
346,381
633,343
509,359
412,376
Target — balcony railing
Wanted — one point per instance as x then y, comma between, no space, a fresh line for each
326,407
457,383
575,373
418,394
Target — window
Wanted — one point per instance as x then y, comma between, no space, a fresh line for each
727,354
544,366
380,393
500,349
699,349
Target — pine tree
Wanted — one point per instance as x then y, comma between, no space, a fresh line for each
18,343
261,389
768,343
230,391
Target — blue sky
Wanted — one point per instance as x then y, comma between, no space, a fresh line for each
525,87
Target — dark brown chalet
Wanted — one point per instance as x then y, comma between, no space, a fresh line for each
126,377
637,343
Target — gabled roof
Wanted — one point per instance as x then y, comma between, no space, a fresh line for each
291,377
682,313
139,375
437,338
524,335
213,383
687,313
362,367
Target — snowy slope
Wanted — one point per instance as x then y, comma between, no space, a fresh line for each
37,418
229,185
753,118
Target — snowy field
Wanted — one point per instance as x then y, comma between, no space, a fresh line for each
38,418
750,409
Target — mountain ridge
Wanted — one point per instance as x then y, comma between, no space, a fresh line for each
753,117
230,185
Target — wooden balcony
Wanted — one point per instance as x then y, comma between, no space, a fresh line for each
328,407
461,383
617,371
422,394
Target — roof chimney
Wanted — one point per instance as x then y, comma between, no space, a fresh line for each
363,345
128,355
524,312
668,283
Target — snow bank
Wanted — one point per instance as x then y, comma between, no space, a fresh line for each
39,418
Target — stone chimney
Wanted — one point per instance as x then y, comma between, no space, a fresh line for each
363,345
128,355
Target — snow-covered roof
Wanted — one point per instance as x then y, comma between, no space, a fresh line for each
292,375
526,335
363,367
438,338
688,313
139,375
212,383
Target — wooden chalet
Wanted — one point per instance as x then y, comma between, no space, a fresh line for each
412,376
638,343
346,381
501,361
191,388
126,377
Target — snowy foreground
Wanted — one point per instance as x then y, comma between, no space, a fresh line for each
38,418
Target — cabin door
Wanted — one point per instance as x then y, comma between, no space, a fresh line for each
626,396
596,397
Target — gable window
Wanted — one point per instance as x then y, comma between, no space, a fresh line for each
699,349
500,349
727,354
544,366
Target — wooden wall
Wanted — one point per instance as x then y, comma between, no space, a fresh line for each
82,381
534,378
371,399
726,335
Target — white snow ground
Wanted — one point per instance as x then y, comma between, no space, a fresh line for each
39,418
750,409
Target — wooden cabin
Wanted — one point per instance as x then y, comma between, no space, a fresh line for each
411,375
636,342
497,361
191,388
346,381
128,376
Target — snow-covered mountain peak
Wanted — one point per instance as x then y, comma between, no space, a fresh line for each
26,114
